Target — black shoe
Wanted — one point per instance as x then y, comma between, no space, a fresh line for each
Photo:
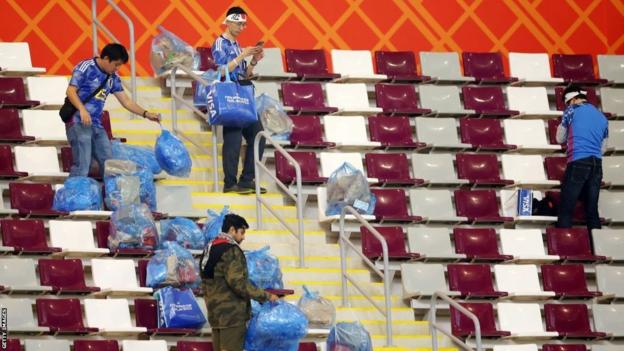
252,187
237,190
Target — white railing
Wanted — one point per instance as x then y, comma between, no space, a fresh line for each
434,326
296,196
345,243
175,98
97,24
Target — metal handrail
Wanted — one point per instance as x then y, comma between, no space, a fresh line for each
297,197
344,243
175,98
97,24
434,326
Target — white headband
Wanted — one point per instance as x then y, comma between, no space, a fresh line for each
571,95
236,17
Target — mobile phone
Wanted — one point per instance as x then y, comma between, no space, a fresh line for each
260,43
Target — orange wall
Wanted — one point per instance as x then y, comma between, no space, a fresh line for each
59,31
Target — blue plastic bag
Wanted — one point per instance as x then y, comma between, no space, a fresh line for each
77,194
349,336
231,104
200,91
264,270
140,155
183,231
172,155
214,222
173,265
178,309
278,326
273,117
132,227
347,186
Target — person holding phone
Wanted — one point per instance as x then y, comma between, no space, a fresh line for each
227,51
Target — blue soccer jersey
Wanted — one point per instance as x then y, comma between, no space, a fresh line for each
586,129
224,51
88,76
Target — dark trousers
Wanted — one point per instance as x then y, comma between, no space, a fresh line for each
232,138
582,181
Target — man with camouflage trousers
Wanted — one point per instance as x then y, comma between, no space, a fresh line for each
227,286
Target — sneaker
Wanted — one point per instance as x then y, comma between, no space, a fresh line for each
237,190
251,186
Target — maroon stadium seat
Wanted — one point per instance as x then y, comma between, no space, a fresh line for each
478,244
472,280
566,280
67,160
564,347
555,167
26,236
102,231
393,132
308,164
13,345
146,315
483,133
478,206
486,67
395,239
578,215
10,127
6,164
142,271
194,346
575,69
398,99
391,206
569,320
572,244
12,94
462,326
96,345
305,98
307,346
308,64
486,101
308,132
480,169
399,66
62,316
206,61
390,169
33,199
65,276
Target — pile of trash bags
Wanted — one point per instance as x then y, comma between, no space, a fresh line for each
214,223
168,50
126,183
319,311
349,336
172,265
172,155
273,117
277,326
183,231
78,194
132,227
140,155
347,186
264,269
178,308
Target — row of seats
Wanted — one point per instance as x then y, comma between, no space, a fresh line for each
42,92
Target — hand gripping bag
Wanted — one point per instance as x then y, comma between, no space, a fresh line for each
349,336
347,186
172,265
231,104
172,155
273,117
183,231
214,222
278,326
140,155
264,270
132,227
168,50
178,308
78,194
320,312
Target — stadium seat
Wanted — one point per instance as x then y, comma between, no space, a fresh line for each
478,206
611,68
46,345
144,345
615,142
110,316
17,275
442,100
305,98
354,66
398,99
611,206
271,66
432,243
577,69
308,64
486,101
307,346
609,281
423,279
531,102
64,276
10,127
67,160
524,245
398,66
146,315
391,206
6,163
32,199
308,132
102,231
194,346
116,277
478,244
462,326
25,236
523,347
440,133
206,61
395,239
321,196
520,281
40,162
552,125
608,319
390,169
526,171
532,69
570,321
434,205
555,167
483,134
480,169
443,67
330,161
578,215
612,101
15,60
12,94
308,164
74,238
566,347
13,345
472,281
20,316
96,345
45,126
604,348
566,281
592,98
48,90
62,316
436,169
612,171
271,89
350,99
393,133
523,320
571,244
348,132
486,67
609,243
528,135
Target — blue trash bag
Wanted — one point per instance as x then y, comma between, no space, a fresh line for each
172,155
264,269
278,326
178,308
214,222
321,312
126,182
347,186
132,227
200,94
140,155
147,189
183,231
169,50
77,194
172,265
121,190
273,117
349,336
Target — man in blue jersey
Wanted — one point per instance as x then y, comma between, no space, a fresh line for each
85,132
584,129
227,51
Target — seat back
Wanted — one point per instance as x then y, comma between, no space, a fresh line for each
146,313
611,67
144,345
272,63
484,98
483,65
302,95
470,278
330,161
114,274
62,273
525,132
477,166
530,67
475,241
481,131
522,242
608,242
444,98
43,125
306,61
37,160
194,346
437,131
430,241
528,99
611,205
71,235
567,318
523,168
422,279
27,234
206,61
395,239
590,93
608,318
387,166
573,67
107,313
59,313
396,96
568,241
609,280
390,130
616,135
444,65
15,55
564,278
13,344
555,167
476,203
46,345
6,159
48,89
352,62
431,203
19,313
18,272
307,161
461,325
348,130
346,96
520,318
31,196
612,169
390,202
96,345
271,89
523,347
306,129
552,125
12,90
612,100
10,127
517,278
395,63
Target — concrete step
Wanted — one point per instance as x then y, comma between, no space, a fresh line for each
356,300
413,342
207,185
211,198
284,237
371,313
333,287
317,254
249,210
325,274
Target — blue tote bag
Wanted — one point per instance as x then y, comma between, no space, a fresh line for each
231,104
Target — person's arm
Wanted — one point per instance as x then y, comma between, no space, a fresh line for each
220,58
562,129
133,107
562,134
237,278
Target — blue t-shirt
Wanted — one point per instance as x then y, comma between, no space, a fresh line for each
224,51
88,76
586,129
